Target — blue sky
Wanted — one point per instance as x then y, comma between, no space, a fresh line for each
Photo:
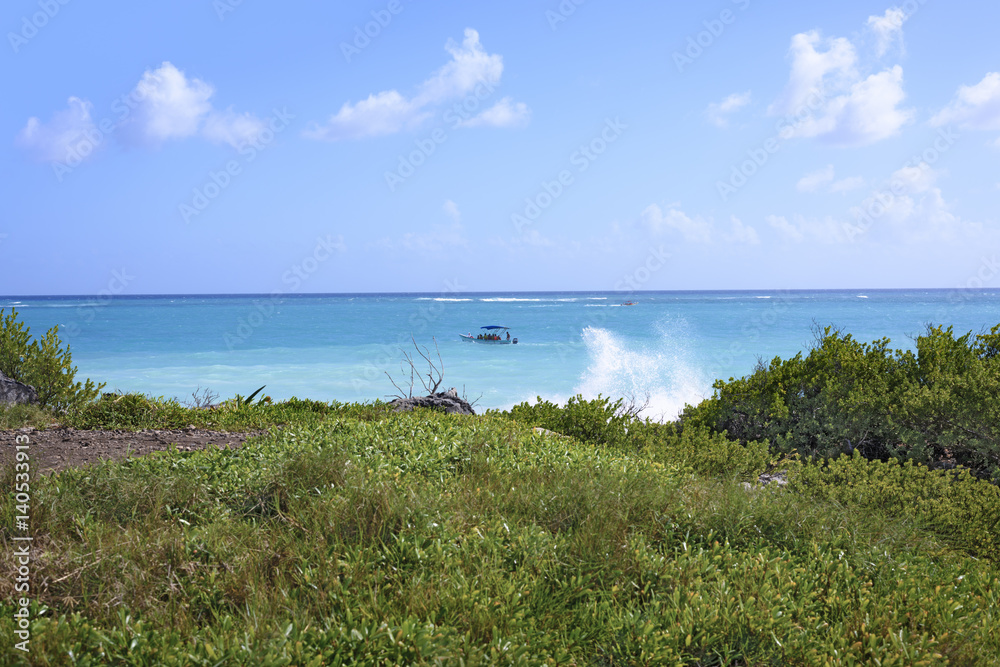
218,146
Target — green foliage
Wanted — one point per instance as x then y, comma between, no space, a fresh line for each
934,405
598,421
962,509
44,364
424,539
705,452
240,401
137,412
19,416
612,424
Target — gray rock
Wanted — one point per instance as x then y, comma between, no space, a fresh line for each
447,401
778,478
13,392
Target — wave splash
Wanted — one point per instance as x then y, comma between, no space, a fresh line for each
663,371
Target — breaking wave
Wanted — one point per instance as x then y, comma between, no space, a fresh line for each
663,371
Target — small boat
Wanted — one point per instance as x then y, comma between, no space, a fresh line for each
491,335
628,303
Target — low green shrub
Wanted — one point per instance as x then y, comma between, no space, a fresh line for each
963,510
703,451
21,415
934,404
598,421
137,412
130,412
44,364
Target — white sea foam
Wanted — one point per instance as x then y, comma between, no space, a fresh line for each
664,371
504,299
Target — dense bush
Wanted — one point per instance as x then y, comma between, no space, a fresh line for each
954,504
935,405
598,421
614,424
44,364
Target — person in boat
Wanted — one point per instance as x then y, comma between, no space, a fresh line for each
508,335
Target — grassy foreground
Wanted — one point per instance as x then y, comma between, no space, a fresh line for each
358,537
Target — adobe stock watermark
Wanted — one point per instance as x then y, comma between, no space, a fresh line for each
388,355
875,206
628,285
87,313
363,35
292,279
741,173
223,7
562,12
581,158
704,39
21,494
91,139
31,25
217,181
751,332
459,113
980,278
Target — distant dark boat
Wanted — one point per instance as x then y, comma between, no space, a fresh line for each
492,335
628,303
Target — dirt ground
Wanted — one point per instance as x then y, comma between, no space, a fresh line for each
57,448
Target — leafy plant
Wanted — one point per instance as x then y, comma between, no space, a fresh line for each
935,405
240,401
44,364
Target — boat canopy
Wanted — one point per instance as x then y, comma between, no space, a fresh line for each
494,326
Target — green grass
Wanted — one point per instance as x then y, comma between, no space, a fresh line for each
19,416
354,536
135,412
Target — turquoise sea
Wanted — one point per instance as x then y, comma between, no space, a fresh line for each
669,346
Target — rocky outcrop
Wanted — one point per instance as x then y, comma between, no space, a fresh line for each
446,401
13,392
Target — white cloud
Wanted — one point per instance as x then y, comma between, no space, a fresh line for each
740,233
911,208
435,241
172,106
71,134
451,209
470,70
827,97
232,128
697,230
813,71
504,113
823,180
718,112
382,113
975,107
888,29
847,184
785,228
693,229
469,67
815,180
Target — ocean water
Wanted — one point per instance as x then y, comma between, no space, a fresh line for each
668,347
